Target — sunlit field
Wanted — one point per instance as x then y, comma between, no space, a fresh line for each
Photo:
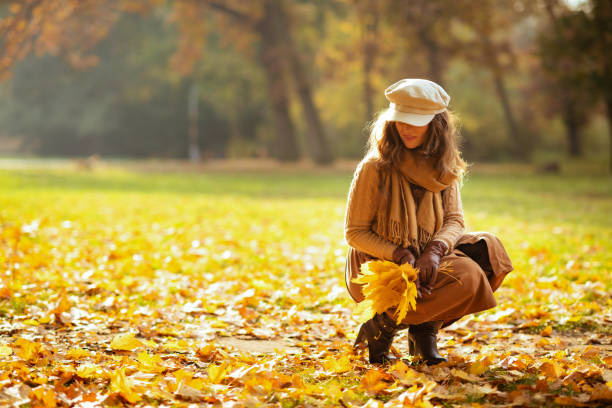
222,287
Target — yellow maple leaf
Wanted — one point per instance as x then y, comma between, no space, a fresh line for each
28,350
404,374
5,351
31,322
77,353
551,369
207,353
125,341
177,345
337,365
150,362
122,385
407,302
464,376
480,366
365,310
87,370
373,381
45,395
216,373
180,376
546,332
63,304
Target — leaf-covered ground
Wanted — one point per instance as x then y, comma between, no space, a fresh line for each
123,287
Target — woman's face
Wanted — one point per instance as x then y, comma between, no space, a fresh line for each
412,136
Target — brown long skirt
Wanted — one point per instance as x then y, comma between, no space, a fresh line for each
479,262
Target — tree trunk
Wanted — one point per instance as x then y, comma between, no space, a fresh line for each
192,102
272,64
520,147
502,94
370,52
569,112
608,99
318,144
573,128
433,56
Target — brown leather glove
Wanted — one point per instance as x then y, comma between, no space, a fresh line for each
429,263
403,255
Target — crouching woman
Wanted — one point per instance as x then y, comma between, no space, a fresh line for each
404,205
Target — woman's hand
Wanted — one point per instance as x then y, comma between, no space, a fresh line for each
429,263
403,255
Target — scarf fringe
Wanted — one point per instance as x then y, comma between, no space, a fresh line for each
398,235
396,218
424,238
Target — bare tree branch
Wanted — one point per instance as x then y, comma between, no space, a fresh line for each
230,11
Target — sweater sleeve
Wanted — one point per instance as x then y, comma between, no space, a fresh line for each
453,225
360,213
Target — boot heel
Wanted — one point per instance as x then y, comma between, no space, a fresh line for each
361,336
411,349
422,342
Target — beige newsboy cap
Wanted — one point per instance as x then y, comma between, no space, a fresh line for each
415,101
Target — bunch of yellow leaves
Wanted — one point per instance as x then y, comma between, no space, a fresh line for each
389,285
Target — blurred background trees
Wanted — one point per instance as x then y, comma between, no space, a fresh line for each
289,79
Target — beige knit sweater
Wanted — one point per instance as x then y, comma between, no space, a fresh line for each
361,213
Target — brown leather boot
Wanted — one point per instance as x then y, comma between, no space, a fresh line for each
379,332
422,341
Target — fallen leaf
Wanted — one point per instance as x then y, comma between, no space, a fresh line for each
122,385
45,395
188,393
546,332
480,366
5,351
337,365
601,392
404,374
373,381
150,363
216,373
87,370
28,350
125,342
590,352
551,370
465,376
77,353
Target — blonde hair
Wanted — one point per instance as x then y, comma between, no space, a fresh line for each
441,143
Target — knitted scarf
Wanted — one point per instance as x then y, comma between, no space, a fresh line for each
398,219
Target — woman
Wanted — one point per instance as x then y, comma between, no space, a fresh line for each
404,205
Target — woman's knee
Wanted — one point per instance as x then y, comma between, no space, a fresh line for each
470,275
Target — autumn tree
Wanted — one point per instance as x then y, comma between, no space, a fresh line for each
265,26
487,42
567,92
71,28
422,28
588,43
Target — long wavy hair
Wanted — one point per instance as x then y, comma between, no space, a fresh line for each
441,143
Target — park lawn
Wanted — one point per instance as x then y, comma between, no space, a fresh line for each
159,287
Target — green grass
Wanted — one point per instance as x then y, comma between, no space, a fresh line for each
556,228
